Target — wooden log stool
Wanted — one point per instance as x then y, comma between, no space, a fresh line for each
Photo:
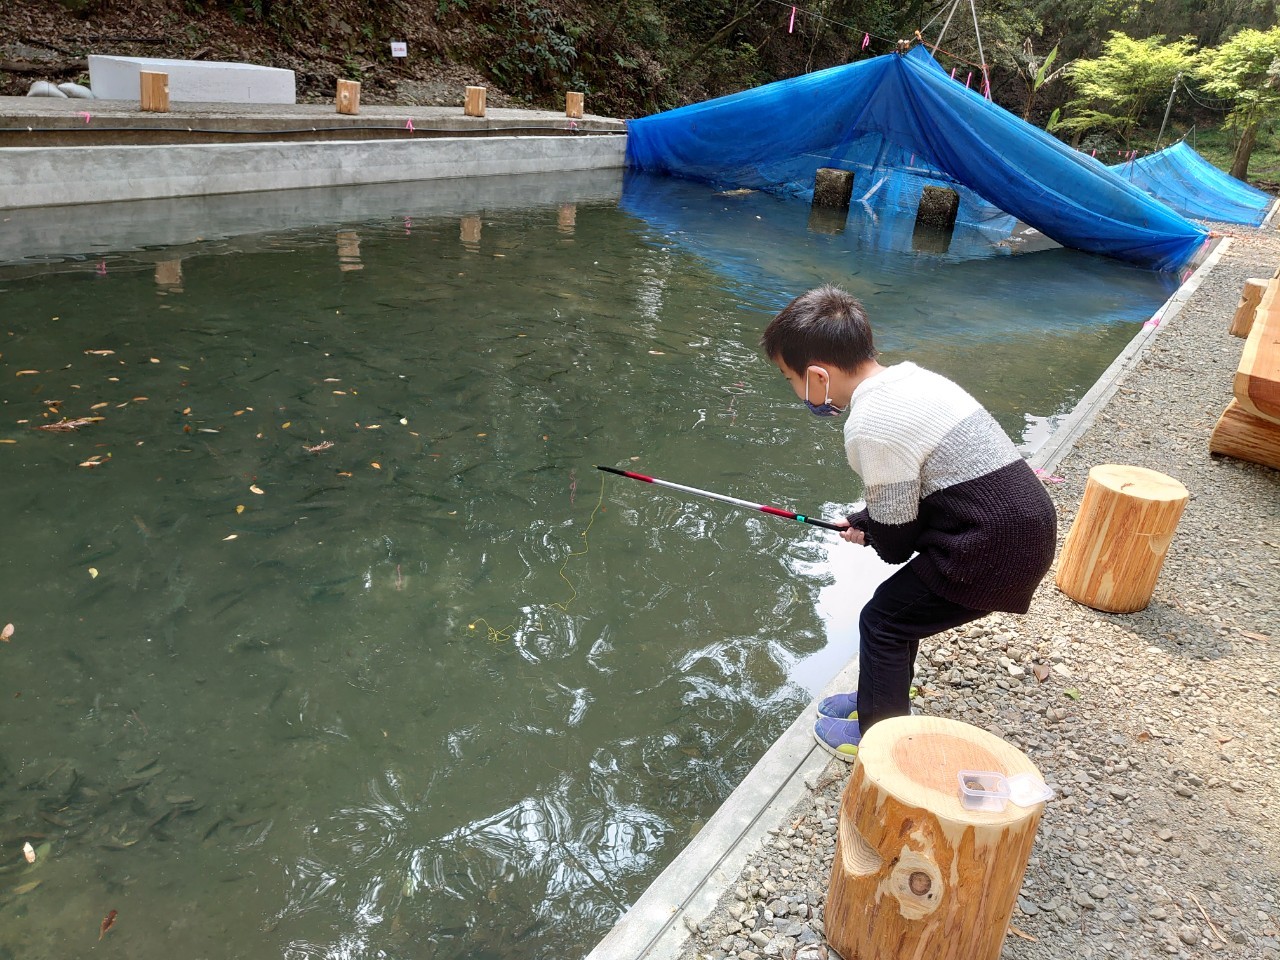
917,873
1117,543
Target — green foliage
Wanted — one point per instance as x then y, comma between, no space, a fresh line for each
538,50
1246,71
1117,89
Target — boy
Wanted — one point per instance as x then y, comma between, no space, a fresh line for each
946,490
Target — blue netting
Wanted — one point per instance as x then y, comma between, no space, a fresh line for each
900,122
1196,188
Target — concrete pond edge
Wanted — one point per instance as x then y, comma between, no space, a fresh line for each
658,924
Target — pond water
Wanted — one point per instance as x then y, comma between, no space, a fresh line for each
328,639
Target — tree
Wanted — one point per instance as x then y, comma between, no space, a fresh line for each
1246,71
1117,89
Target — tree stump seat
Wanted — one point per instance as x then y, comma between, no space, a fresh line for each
916,872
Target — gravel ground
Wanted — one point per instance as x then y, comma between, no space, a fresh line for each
1158,729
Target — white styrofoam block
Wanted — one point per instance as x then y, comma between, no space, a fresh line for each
192,81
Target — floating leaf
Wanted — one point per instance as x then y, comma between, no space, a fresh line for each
99,406
404,421
65,426
27,887
339,393
25,373
254,488
323,445
107,922
238,413
93,573
185,411
29,852
376,465
8,441
344,473
232,537
93,462
154,360
7,632
286,425
239,508
139,399
100,353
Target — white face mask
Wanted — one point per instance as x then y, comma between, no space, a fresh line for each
824,409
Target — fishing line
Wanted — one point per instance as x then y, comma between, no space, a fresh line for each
502,635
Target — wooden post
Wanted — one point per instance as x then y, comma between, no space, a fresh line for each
469,232
832,188
348,97
915,873
573,105
1116,546
567,218
1250,297
169,275
348,250
474,105
153,91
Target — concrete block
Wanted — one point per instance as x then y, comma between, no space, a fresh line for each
832,188
938,207
192,81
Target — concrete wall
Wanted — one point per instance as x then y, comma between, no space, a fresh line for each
53,176
192,81
45,235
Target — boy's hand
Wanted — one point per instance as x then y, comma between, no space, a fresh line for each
853,535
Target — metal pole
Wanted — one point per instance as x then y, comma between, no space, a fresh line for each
1167,108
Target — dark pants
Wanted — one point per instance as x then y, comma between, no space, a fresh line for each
898,616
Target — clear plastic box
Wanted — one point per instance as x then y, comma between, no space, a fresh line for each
983,790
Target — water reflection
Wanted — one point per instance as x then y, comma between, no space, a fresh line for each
273,720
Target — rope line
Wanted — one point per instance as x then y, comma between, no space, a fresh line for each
502,635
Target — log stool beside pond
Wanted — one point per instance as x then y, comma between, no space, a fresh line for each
1117,543
917,872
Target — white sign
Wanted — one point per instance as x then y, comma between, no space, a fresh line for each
399,48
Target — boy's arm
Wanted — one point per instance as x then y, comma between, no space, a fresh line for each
891,518
895,543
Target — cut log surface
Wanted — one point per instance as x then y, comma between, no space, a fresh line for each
1257,382
1244,436
915,873
1250,297
1113,553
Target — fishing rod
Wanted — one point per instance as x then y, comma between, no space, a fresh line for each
763,508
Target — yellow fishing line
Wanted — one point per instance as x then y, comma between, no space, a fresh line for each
503,635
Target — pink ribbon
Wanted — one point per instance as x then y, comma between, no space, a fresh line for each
953,73
1093,152
967,79
408,125
866,40
986,86
85,114
792,25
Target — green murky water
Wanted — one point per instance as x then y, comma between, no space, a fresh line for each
252,701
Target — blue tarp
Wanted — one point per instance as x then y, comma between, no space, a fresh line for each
1196,188
901,115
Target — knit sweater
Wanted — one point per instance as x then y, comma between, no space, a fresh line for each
944,481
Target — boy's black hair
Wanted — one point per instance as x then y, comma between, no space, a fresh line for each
824,325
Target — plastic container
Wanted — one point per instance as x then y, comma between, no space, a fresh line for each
983,790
